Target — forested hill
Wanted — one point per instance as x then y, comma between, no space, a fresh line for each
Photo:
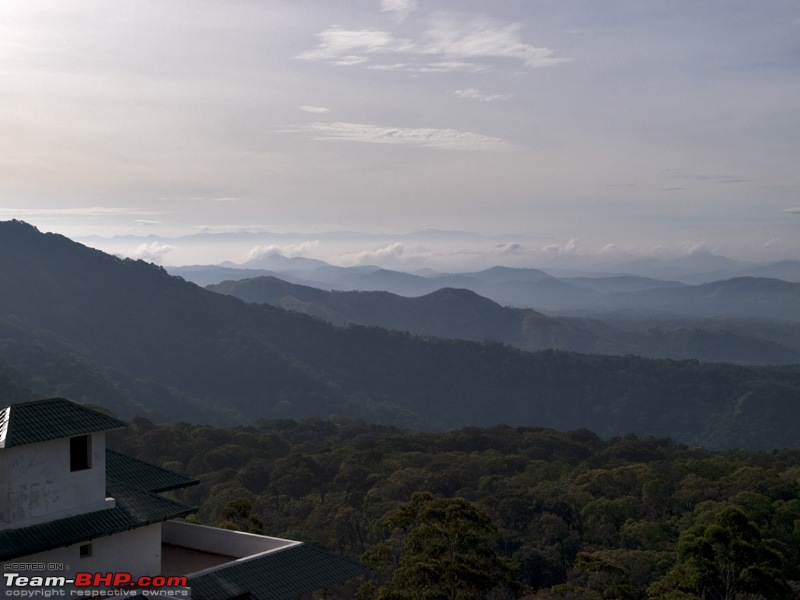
447,312
125,334
463,314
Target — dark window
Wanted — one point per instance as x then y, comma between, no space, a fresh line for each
85,550
80,453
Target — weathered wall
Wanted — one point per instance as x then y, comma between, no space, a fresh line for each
36,484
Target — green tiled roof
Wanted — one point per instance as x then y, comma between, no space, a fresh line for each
45,420
281,575
134,508
133,472
132,483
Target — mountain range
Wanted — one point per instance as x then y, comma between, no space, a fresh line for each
437,247
743,297
463,314
125,334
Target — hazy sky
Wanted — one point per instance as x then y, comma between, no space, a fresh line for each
619,127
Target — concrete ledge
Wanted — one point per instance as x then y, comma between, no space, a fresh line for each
237,544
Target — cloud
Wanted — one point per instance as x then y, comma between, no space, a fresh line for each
510,249
451,66
446,45
793,211
389,253
474,94
448,139
484,38
340,45
711,177
314,109
695,249
289,250
391,67
571,248
400,9
152,252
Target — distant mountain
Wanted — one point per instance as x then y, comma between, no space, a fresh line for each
788,270
620,283
123,333
278,262
447,312
204,275
462,314
740,297
697,267
747,297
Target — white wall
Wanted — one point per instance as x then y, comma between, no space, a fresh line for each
137,551
36,484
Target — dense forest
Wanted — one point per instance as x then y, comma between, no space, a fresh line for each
500,512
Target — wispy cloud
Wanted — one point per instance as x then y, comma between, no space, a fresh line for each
347,46
446,45
449,139
473,94
449,66
85,211
794,211
314,109
710,177
400,9
484,38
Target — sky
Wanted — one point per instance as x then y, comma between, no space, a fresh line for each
547,129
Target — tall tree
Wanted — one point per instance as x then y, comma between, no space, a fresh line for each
446,552
726,560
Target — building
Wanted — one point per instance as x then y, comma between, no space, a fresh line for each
69,505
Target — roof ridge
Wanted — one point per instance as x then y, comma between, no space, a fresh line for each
3,426
51,419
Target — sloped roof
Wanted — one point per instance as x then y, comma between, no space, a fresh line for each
281,575
52,419
134,508
132,483
125,469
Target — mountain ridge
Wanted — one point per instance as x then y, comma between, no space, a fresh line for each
463,314
127,333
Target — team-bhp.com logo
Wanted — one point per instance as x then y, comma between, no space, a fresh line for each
92,584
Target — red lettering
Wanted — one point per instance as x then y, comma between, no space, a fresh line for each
124,579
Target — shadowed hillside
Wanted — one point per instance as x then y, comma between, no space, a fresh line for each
122,332
463,314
